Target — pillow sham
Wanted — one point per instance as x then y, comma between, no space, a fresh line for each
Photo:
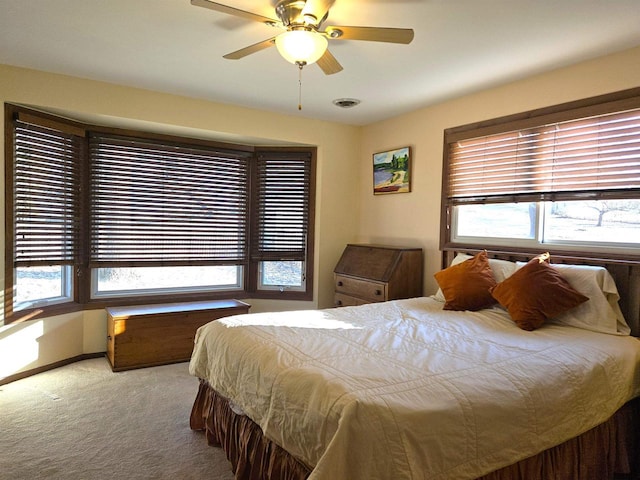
500,269
535,293
602,312
466,285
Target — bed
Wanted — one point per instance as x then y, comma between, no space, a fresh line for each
413,389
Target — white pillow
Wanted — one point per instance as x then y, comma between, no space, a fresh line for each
500,269
602,312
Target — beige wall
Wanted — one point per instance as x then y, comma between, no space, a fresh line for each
344,213
31,344
414,218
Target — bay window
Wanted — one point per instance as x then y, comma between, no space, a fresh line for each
99,216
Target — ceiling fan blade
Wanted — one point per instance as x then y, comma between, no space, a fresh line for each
218,7
329,64
372,34
317,9
256,47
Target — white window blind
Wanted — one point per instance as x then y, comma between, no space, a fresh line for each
596,157
45,195
163,204
282,193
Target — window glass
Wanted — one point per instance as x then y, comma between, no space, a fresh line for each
281,274
614,223
499,220
593,221
143,280
42,285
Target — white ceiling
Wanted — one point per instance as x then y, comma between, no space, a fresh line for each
460,46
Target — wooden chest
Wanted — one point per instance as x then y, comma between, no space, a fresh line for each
376,273
148,335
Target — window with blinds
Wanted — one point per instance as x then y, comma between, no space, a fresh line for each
282,196
46,219
164,204
598,157
149,218
566,175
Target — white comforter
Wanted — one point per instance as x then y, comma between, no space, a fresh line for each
404,390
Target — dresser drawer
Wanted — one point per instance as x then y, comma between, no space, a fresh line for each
364,289
342,300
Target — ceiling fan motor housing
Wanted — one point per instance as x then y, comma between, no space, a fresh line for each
290,11
290,14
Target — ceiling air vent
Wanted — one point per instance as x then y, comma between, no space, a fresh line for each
346,102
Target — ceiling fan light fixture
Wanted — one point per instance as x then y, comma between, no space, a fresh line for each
301,46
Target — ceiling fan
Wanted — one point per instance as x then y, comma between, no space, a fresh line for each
304,40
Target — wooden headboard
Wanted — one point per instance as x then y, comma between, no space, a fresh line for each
625,274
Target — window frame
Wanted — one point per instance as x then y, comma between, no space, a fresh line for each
267,288
82,273
599,105
66,284
538,241
105,294
255,252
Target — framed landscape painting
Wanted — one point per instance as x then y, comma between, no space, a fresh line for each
391,171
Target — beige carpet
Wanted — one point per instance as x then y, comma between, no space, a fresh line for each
84,422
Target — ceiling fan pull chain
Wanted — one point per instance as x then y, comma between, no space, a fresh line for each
300,65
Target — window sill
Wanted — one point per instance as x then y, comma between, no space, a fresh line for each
96,304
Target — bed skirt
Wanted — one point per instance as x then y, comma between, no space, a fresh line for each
609,451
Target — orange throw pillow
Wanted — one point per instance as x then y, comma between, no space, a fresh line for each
535,293
465,286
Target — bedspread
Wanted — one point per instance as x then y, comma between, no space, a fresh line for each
405,390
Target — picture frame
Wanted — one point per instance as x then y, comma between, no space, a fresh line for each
392,171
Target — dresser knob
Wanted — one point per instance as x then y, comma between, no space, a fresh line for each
339,284
338,303
378,292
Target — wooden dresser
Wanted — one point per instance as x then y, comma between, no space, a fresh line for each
148,335
377,273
